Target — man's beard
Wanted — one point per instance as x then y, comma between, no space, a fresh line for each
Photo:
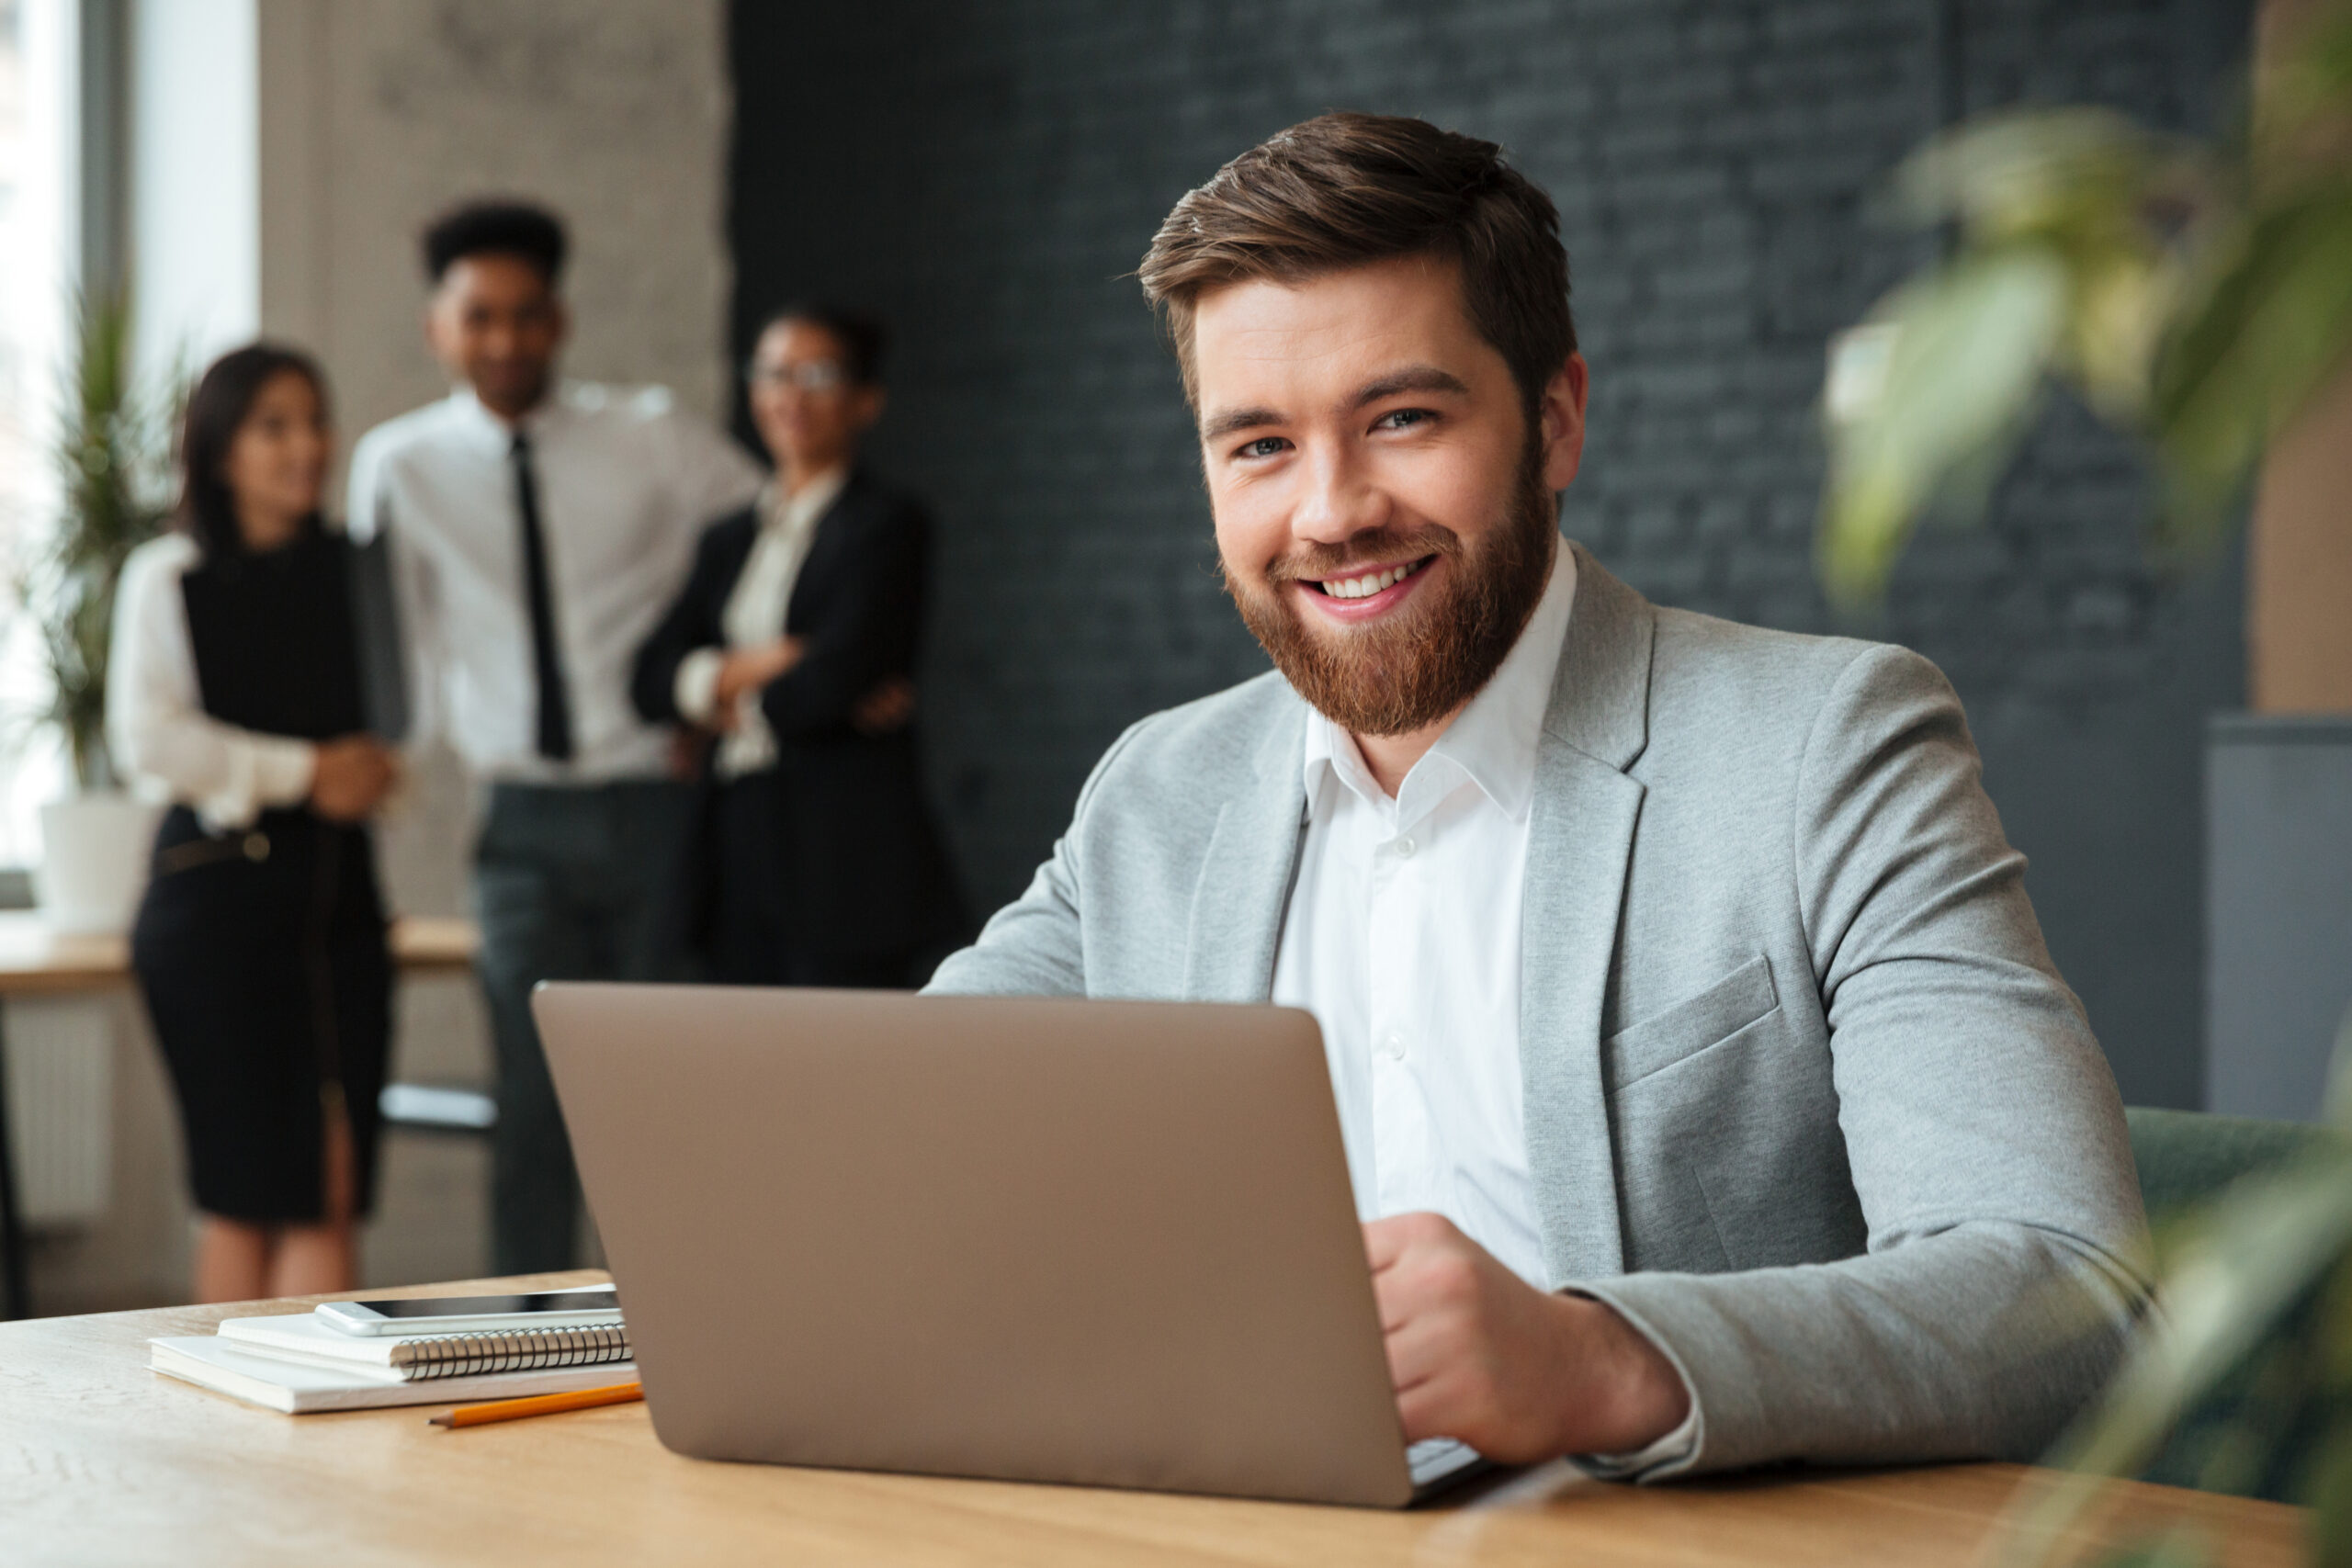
1404,672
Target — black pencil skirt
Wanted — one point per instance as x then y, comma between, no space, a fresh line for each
261,956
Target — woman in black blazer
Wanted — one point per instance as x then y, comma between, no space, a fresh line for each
816,862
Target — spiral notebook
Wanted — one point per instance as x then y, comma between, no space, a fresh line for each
302,1388
301,1338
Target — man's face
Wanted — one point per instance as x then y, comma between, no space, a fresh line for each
1384,511
494,323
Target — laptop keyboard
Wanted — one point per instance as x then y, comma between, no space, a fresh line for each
1433,1459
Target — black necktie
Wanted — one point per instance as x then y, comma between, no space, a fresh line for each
555,703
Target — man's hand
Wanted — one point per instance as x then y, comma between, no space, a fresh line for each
887,707
1478,1354
747,670
350,776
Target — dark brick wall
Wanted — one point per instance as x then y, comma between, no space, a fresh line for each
986,173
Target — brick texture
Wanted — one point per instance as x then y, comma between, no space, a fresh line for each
988,174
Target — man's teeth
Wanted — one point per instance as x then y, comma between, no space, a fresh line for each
1365,587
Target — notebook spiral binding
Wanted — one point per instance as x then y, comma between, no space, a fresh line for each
509,1350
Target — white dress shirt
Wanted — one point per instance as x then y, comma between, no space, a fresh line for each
754,616
1403,939
168,747
624,483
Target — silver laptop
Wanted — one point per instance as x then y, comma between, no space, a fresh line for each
1109,1243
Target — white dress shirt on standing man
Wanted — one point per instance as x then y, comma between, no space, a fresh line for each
625,484
1403,939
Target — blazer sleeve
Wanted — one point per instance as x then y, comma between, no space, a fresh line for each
2007,1260
861,629
1035,946
692,622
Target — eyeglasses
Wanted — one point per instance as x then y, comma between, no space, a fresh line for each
809,376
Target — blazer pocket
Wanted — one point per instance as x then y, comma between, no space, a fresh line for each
1686,1028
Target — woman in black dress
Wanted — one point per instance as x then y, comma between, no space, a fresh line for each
234,689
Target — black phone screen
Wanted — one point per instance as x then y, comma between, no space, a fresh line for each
488,1306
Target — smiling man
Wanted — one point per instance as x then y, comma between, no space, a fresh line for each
1707,1094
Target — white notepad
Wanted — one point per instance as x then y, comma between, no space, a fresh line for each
210,1361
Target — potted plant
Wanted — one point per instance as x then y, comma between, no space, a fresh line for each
114,456
2200,299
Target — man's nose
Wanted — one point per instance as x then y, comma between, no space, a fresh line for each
1339,499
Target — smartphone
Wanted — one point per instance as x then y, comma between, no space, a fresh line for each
472,1314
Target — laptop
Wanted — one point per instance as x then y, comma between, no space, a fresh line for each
1103,1243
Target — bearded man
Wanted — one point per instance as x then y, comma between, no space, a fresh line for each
1708,1092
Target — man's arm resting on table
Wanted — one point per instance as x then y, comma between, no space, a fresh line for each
1479,1354
2006,1268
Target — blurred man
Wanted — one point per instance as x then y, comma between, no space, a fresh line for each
538,528
1707,1092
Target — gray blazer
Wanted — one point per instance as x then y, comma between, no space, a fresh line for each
1805,1099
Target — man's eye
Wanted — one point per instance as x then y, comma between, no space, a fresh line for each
1403,419
1264,446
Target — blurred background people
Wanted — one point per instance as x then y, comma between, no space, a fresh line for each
235,686
816,861
536,528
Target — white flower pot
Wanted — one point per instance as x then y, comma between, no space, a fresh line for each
95,850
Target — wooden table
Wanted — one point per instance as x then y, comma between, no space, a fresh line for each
36,960
104,1461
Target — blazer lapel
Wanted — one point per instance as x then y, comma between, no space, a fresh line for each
1580,840
1245,876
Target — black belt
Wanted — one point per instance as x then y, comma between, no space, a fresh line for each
252,846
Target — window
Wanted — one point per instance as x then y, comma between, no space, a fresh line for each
37,249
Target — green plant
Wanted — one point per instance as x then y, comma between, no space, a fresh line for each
113,452
2256,1290
2194,296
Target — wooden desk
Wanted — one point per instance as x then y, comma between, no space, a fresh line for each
36,960
103,1461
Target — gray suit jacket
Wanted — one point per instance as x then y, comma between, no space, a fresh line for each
1805,1099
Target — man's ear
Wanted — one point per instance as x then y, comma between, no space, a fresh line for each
1561,412
562,320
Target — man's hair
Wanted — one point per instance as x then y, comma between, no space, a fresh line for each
1344,190
861,335
496,227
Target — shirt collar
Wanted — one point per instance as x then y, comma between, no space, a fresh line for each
1493,743
475,417
793,515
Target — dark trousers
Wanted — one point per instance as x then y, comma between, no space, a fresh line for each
749,944
570,883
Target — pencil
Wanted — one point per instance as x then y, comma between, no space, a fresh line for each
540,1404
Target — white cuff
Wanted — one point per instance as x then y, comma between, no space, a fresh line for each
1675,1448
263,769
695,688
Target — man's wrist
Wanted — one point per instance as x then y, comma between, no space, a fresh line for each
1632,1394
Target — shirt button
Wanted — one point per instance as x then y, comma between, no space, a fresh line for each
1405,847
1392,1045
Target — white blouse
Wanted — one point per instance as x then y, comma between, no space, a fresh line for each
162,738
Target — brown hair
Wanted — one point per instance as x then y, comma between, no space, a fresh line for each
1343,190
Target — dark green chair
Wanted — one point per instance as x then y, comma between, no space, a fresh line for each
2185,1157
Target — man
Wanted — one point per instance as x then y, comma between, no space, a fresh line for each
1705,1084
538,527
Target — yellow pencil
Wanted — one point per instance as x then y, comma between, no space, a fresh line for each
540,1404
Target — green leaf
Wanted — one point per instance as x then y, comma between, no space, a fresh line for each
2265,323
1970,348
